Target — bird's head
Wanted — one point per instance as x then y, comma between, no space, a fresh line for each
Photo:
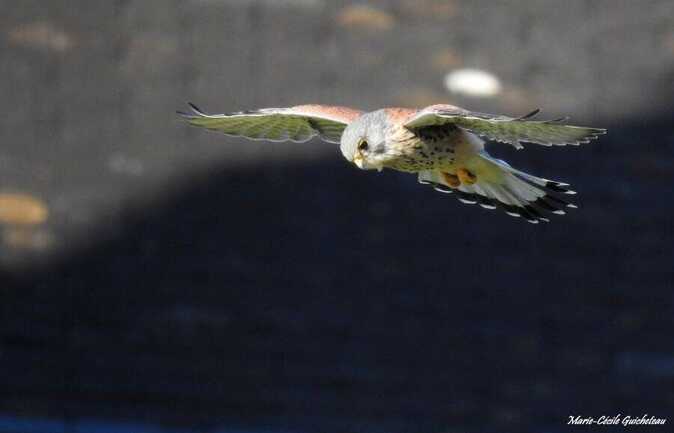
363,142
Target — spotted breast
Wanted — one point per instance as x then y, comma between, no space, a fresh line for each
426,149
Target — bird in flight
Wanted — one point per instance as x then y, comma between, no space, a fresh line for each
441,143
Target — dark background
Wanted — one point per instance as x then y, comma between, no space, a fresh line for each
185,281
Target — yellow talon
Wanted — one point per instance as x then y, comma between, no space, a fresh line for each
451,180
466,176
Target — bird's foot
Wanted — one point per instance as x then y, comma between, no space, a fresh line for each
451,180
466,176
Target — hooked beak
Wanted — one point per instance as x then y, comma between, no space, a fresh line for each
358,159
360,163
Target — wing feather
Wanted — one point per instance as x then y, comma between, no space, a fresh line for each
505,129
299,124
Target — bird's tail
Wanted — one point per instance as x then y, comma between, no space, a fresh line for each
498,185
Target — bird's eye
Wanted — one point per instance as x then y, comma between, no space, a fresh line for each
362,145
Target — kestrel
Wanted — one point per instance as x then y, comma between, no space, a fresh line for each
441,143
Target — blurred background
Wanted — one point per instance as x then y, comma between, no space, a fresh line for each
158,278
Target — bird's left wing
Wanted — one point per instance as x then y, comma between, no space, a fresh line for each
513,130
299,123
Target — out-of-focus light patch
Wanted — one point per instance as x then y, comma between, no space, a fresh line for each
473,82
22,209
27,238
41,35
366,18
430,9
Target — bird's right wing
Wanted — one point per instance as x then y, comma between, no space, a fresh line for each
298,124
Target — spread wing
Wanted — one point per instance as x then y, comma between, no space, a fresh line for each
513,130
298,124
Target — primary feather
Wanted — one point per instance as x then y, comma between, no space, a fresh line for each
506,129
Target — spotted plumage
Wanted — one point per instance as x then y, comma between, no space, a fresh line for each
440,143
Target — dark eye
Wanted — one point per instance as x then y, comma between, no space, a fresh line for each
363,145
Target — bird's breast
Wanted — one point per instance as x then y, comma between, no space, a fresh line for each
422,151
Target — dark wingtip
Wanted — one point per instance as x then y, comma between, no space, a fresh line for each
563,119
195,108
442,188
559,187
529,115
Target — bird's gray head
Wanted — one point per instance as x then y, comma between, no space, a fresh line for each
364,141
